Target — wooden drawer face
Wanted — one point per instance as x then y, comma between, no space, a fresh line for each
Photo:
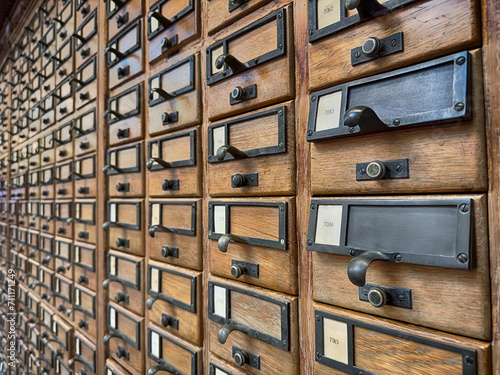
175,232
222,13
63,257
85,176
122,14
46,144
61,367
85,353
174,97
34,155
86,83
124,55
83,9
346,342
64,59
65,22
125,116
86,40
63,334
419,152
125,226
113,368
174,165
33,215
126,339
175,301
444,246
64,180
63,293
125,171
63,138
49,45
85,220
47,109
84,258
64,99
46,181
250,238
170,26
46,245
125,281
48,75
47,219
240,148
266,326
64,218
32,242
85,132
331,58
35,87
85,310
218,367
45,283
173,354
243,80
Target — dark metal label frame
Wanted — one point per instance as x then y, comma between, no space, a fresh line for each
179,163
184,232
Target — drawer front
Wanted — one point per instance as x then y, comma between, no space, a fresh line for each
64,98
64,59
125,171
84,258
47,109
49,45
218,367
47,220
85,132
124,116
239,148
35,87
46,245
172,354
63,294
83,9
174,165
125,281
345,342
85,310
64,180
415,164
122,14
33,215
174,96
124,54
175,301
64,218
85,353
85,220
63,138
221,14
125,226
253,240
63,263
125,339
46,144
399,39
84,170
113,368
48,84
63,333
46,181
170,26
86,41
65,22
86,83
240,67
443,244
34,155
175,232
255,323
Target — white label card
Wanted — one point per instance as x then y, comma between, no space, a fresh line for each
112,318
155,344
78,346
220,219
220,301
155,84
155,280
220,372
58,286
77,297
335,340
328,225
112,265
155,214
109,372
155,150
219,138
77,254
54,327
328,115
112,158
41,275
112,213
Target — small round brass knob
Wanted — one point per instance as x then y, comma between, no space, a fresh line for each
375,170
371,46
240,358
237,93
237,270
377,297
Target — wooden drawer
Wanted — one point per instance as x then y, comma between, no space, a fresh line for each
86,83
63,294
125,171
63,257
175,300
85,132
35,30
44,286
64,180
47,109
65,60
125,55
347,342
64,98
83,9
84,212
64,218
32,244
125,281
174,164
443,252
174,96
63,334
169,354
337,53
240,67
250,238
170,26
84,309
220,367
64,21
48,75
63,138
408,160
220,13
49,45
47,152
125,226
253,154
86,40
22,207
175,232
84,260
84,170
125,339
47,220
124,116
33,215
35,88
265,326
85,355
34,154
121,14
48,11
61,365
46,182
46,245
113,368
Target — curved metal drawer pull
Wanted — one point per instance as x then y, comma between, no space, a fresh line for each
227,328
163,163
161,228
356,270
224,240
366,8
162,20
232,62
364,117
233,151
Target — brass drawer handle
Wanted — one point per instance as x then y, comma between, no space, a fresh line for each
227,328
105,283
165,95
115,113
160,228
233,151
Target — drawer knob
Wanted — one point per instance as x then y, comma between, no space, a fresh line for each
83,324
123,71
240,358
238,93
237,270
168,118
375,170
226,329
121,297
378,297
85,52
224,240
85,10
84,96
232,62
162,20
165,95
46,259
62,72
61,269
366,8
371,46
356,270
63,34
365,118
163,163
122,187
222,151
121,19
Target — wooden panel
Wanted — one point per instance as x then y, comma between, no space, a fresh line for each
121,15
128,238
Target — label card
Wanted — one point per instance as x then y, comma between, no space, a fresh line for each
155,82
155,214
335,340
112,213
155,150
41,275
78,346
78,208
58,285
58,367
112,318
112,265
220,219
155,280
77,297
112,158
54,327
155,344
328,116
108,371
328,12
218,371
77,254
219,138
328,225
220,302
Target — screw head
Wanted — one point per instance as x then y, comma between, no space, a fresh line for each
462,258
464,208
459,107
309,132
460,60
398,258
352,253
396,122
309,242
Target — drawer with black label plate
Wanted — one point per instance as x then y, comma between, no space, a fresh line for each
64,179
43,283
85,356
48,75
63,253
125,226
85,134
46,247
84,261
62,338
48,44
64,60
174,164
84,170
86,39
47,110
64,218
125,171
125,281
63,294
34,154
175,234
84,217
64,21
83,9
64,98
46,143
120,14
174,96
84,310
63,138
86,83
47,219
